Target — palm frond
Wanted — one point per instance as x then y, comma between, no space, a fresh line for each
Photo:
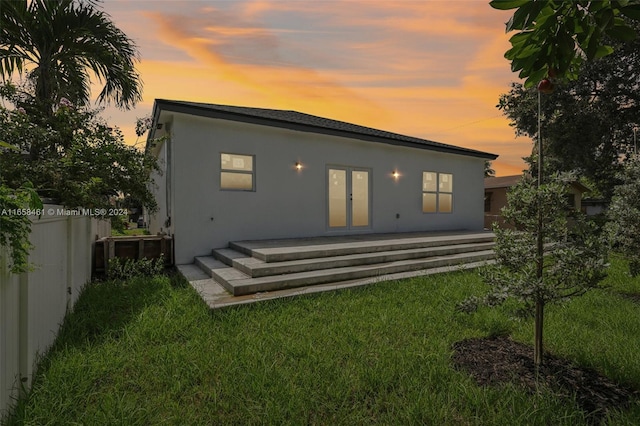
60,40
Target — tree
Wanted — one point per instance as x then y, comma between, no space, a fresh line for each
57,43
54,145
80,160
624,215
574,259
555,37
588,121
488,171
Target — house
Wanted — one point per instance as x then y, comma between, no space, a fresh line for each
233,173
595,206
495,196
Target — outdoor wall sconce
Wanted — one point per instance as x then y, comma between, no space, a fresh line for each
395,174
298,166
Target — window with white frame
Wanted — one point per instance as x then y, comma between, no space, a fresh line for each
237,172
437,192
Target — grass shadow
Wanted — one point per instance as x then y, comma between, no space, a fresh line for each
104,308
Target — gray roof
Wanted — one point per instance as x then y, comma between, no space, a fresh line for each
308,123
501,182
509,181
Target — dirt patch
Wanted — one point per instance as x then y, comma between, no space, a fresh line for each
634,297
500,360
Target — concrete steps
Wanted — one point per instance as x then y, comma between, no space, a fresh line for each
261,266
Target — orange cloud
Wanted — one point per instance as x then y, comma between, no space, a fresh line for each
276,85
431,69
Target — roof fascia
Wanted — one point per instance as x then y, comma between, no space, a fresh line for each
203,111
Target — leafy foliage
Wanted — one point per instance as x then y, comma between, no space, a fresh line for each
587,122
125,269
50,146
574,258
15,225
554,38
488,171
58,43
73,157
624,216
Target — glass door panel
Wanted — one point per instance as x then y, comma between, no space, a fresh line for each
359,198
349,198
337,198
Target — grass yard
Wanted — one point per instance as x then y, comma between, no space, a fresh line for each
129,232
150,352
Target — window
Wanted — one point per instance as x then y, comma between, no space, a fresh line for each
487,201
236,172
437,192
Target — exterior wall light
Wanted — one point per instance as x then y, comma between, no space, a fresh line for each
298,166
395,174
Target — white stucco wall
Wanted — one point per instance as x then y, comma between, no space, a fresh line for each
159,190
289,203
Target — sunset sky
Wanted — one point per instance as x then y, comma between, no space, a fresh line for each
431,69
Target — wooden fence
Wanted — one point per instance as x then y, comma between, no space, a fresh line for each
132,247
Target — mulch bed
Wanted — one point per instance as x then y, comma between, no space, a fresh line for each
500,360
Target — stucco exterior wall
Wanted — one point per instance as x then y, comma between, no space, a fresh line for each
577,197
498,201
159,190
288,203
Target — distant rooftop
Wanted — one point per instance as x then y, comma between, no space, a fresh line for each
308,123
501,182
509,181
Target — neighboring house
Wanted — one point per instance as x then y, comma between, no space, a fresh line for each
594,206
234,173
495,197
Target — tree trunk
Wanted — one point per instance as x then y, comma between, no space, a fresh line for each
538,347
537,350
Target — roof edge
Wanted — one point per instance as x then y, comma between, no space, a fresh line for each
204,110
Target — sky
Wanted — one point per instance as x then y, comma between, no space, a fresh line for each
423,68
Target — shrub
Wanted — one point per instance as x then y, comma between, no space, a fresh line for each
123,269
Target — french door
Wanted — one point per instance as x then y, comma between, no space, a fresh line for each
349,200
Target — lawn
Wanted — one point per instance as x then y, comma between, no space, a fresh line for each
129,232
150,352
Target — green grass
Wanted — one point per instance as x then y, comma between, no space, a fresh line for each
127,232
150,352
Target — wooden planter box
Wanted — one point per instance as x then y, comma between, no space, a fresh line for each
132,247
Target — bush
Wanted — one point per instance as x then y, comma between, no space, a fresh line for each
124,269
624,216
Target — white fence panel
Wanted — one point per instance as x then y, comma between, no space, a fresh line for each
9,332
33,304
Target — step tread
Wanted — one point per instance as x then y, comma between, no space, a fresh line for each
272,251
192,272
256,267
244,280
230,253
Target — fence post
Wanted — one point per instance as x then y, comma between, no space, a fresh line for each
111,253
70,262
